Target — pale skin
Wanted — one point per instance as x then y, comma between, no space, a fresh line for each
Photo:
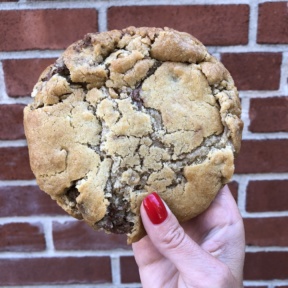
207,251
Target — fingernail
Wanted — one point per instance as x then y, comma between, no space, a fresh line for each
155,208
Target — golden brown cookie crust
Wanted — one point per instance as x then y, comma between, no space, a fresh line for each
124,113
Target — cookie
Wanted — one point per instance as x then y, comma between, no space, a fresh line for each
127,112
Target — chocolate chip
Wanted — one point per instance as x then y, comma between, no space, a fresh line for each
87,41
62,70
135,96
48,75
115,220
72,193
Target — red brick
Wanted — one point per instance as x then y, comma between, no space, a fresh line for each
67,270
21,75
254,71
266,266
211,24
22,237
27,201
267,195
266,231
77,235
269,114
11,124
273,23
233,186
129,270
15,164
45,29
263,156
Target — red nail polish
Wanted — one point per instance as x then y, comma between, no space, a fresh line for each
155,208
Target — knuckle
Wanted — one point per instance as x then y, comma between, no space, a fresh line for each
174,237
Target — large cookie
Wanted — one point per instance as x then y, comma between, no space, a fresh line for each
124,113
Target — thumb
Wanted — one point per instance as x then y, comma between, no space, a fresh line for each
168,236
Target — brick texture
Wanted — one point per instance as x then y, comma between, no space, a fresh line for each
254,71
21,75
269,195
76,235
67,270
11,124
44,29
269,114
266,266
15,164
266,231
29,29
265,156
211,24
27,201
273,23
129,270
21,237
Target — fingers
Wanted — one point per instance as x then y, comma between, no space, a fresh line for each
173,243
222,227
230,231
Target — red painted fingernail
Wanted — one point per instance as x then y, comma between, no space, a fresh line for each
155,208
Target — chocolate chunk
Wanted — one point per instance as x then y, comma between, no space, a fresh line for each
135,96
62,70
115,220
72,193
87,41
48,75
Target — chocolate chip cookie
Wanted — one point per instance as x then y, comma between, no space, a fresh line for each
127,112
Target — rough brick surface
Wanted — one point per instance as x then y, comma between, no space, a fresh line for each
266,231
269,114
11,124
27,201
254,71
269,195
263,156
273,23
211,24
255,68
266,266
21,75
77,235
129,270
15,164
22,237
67,270
44,29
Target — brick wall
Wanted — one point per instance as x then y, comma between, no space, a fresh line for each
39,244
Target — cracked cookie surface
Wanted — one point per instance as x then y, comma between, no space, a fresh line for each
123,113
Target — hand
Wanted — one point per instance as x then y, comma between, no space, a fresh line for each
207,251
